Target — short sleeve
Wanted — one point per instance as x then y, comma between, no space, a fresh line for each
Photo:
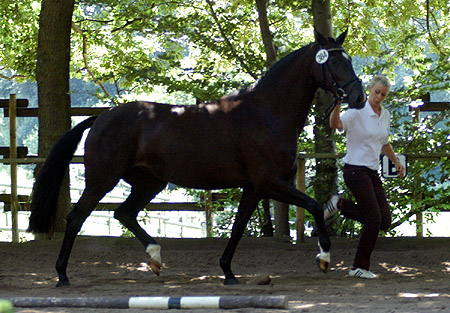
348,119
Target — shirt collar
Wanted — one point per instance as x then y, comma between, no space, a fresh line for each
371,112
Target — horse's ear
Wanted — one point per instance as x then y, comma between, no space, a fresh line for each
319,37
340,40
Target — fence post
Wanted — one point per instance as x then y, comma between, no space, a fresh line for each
208,212
419,216
13,166
300,213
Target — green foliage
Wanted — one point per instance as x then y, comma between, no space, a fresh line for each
18,30
426,187
141,45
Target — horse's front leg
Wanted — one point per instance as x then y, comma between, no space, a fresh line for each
247,206
284,192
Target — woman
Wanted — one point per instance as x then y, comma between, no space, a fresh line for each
367,136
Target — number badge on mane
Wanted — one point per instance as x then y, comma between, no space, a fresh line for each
322,56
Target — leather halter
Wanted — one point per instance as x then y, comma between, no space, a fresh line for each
340,93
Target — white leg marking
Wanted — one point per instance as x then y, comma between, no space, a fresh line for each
155,253
326,256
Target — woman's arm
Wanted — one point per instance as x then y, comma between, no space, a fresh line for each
387,149
335,119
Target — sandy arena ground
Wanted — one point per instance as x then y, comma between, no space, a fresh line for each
414,273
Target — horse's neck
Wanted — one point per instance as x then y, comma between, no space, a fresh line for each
292,107
285,94
290,89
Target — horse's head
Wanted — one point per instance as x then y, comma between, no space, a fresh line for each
334,71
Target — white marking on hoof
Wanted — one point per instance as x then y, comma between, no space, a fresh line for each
155,253
155,258
325,256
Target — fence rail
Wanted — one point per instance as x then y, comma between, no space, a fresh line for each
194,206
18,107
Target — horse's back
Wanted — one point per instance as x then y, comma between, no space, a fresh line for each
186,145
198,147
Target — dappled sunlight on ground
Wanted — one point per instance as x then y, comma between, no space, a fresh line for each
206,278
37,279
401,270
421,295
339,267
301,305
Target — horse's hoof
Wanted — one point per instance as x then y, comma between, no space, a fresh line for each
323,265
155,267
63,283
231,281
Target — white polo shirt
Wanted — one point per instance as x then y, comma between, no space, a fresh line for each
367,133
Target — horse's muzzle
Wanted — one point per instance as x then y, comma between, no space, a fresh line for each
356,98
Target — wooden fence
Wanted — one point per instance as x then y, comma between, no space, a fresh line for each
18,155
14,156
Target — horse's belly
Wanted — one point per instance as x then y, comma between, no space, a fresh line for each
201,173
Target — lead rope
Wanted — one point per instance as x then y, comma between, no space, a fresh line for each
340,92
341,95
329,110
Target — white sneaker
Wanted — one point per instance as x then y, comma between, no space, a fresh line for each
361,273
331,207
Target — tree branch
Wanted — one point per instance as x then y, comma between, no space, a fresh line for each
86,63
402,220
126,24
432,39
230,45
10,78
94,20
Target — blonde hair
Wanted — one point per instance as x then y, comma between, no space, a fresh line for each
382,80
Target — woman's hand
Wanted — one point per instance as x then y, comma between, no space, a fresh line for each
387,149
400,169
335,120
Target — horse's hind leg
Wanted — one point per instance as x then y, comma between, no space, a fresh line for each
75,220
127,214
247,206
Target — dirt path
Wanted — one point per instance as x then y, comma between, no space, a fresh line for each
414,273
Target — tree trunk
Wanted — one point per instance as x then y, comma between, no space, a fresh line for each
271,56
52,75
267,227
325,182
281,219
267,37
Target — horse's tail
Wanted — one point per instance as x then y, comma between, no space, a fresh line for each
48,182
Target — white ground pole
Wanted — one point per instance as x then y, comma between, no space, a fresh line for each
189,302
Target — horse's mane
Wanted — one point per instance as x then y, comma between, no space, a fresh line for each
270,78
272,74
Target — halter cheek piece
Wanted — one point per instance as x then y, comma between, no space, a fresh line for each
322,59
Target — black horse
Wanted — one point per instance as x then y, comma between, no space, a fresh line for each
247,140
